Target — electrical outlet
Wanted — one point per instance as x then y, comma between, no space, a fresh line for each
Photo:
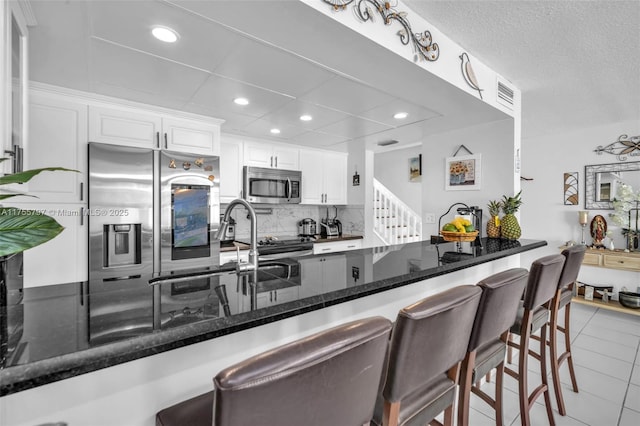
429,218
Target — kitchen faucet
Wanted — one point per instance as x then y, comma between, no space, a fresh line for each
253,250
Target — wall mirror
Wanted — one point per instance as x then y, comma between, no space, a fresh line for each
602,181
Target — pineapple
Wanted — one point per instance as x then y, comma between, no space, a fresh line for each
493,224
510,228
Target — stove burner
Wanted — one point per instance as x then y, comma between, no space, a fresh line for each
283,241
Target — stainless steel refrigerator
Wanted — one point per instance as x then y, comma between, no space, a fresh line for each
151,212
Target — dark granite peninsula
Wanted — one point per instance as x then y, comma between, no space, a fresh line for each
59,333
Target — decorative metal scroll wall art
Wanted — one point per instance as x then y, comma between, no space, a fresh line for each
623,148
571,189
422,42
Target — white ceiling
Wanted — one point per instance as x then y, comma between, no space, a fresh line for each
288,60
577,63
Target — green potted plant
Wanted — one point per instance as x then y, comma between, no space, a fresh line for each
22,229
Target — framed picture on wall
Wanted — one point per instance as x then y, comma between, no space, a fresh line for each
462,173
415,168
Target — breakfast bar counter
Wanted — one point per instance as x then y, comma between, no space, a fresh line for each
101,336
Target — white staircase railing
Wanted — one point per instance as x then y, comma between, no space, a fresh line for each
393,221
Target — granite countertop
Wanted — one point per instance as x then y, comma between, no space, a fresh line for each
61,331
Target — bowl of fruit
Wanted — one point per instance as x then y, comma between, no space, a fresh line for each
459,230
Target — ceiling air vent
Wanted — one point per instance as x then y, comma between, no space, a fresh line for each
505,94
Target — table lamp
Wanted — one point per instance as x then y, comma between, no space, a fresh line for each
583,218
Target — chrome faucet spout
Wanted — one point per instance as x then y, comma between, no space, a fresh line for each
253,250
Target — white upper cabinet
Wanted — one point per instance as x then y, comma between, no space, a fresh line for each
191,136
275,156
324,177
230,168
124,127
57,138
137,128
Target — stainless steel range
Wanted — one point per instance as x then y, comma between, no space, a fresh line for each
270,247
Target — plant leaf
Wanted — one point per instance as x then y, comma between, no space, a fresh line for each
5,196
25,176
23,229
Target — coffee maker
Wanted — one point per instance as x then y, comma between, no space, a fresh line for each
475,214
331,227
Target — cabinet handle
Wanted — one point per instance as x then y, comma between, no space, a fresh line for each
325,249
81,216
166,144
351,246
276,162
158,140
81,191
271,165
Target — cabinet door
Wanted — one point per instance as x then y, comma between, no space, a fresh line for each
230,169
190,136
57,138
335,178
124,127
286,157
312,177
64,258
258,154
311,277
335,272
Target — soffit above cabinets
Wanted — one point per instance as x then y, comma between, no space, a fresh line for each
286,58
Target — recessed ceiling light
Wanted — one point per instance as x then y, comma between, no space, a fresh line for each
306,117
241,101
165,34
400,115
275,131
387,143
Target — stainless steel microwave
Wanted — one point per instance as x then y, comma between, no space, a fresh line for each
271,186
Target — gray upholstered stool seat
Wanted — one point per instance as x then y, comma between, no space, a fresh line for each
488,341
542,286
573,261
428,342
329,378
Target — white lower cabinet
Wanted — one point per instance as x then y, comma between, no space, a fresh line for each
64,258
324,177
276,297
320,248
233,256
323,274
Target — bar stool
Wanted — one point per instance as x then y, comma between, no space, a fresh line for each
487,348
329,378
533,316
573,261
428,341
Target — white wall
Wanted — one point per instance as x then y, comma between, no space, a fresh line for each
392,169
494,141
544,215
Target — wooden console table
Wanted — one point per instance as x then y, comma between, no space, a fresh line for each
613,259
612,305
610,259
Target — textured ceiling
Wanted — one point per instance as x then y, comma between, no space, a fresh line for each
577,63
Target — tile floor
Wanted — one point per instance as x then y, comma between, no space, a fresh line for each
605,347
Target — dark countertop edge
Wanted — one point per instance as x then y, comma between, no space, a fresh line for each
26,376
